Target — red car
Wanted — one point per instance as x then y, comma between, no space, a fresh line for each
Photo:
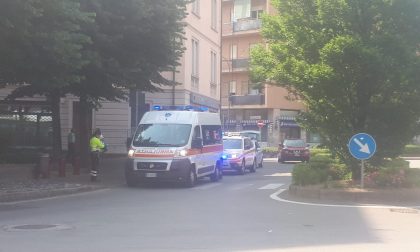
293,150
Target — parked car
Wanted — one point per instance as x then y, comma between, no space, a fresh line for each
239,154
293,150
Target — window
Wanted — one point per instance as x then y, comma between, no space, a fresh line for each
214,14
196,7
252,89
212,134
257,14
194,66
242,9
213,71
162,135
232,87
234,52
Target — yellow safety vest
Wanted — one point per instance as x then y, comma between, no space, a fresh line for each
96,144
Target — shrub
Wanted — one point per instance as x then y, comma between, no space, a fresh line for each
411,150
318,151
338,171
321,162
387,177
304,175
270,151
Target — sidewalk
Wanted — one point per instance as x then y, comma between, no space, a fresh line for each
17,183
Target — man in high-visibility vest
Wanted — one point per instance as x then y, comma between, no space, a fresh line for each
96,147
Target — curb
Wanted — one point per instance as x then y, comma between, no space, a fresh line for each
367,196
21,196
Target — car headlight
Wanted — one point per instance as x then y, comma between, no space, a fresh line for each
131,153
181,153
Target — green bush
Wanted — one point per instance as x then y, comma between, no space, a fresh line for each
321,167
304,175
319,151
338,171
411,150
270,150
321,162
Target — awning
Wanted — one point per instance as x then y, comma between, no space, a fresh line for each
288,124
247,122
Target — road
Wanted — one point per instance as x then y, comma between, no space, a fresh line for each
236,214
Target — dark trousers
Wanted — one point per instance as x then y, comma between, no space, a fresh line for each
71,153
94,156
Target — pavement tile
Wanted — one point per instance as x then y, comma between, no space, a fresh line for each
17,183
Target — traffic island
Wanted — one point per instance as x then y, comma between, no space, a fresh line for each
397,196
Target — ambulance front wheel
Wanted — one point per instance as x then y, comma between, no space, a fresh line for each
191,178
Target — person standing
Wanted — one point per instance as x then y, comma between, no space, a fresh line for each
71,142
96,147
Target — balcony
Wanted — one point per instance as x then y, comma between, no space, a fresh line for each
241,27
239,100
246,24
235,65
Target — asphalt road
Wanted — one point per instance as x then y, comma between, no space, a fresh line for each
236,214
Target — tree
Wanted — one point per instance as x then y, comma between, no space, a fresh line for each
354,65
40,49
133,41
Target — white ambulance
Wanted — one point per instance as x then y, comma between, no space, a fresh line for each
172,145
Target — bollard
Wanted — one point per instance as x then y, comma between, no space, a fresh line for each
44,166
76,166
61,167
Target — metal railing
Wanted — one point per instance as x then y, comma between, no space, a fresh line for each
247,24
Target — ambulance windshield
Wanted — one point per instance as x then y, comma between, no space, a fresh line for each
162,135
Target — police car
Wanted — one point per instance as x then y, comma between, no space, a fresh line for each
239,153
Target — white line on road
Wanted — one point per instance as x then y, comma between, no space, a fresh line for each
276,196
271,187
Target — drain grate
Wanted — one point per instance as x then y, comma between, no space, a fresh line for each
36,227
404,210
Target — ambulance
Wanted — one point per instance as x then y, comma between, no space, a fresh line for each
181,144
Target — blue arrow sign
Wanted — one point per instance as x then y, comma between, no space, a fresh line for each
362,146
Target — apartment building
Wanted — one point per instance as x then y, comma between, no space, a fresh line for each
243,105
199,72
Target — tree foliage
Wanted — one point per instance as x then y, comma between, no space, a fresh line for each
93,49
354,65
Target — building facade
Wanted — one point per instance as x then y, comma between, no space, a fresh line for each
198,75
243,104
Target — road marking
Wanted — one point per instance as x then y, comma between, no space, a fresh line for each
279,174
276,196
271,187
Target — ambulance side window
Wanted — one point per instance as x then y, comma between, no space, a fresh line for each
212,134
197,132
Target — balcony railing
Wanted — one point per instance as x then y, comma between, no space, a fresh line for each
258,99
235,65
246,24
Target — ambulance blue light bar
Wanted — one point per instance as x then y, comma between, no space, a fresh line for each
180,108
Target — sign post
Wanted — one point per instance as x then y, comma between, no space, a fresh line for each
362,146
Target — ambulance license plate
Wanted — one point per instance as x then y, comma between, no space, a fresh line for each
151,175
